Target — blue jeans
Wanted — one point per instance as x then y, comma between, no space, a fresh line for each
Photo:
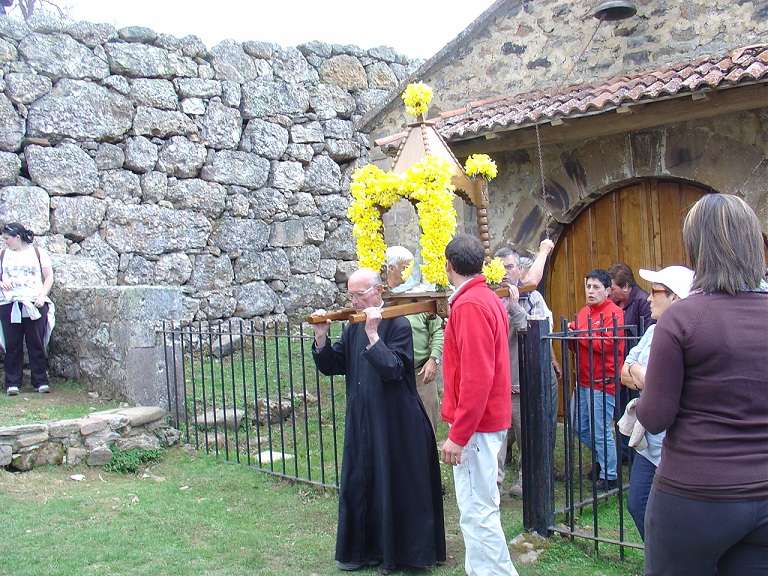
640,482
599,415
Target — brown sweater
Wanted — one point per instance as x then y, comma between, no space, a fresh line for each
707,385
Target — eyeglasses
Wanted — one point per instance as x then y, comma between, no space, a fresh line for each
359,295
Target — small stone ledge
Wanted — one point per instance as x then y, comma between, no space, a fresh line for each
88,439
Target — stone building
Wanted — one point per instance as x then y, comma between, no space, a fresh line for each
626,130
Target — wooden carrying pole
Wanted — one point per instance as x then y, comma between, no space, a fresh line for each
422,304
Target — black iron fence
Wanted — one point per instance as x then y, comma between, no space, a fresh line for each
562,491
251,394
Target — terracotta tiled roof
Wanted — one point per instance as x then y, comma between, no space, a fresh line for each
744,65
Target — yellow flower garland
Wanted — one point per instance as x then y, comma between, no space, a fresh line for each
493,271
481,165
417,98
428,184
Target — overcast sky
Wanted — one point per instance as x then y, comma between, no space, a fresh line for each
416,28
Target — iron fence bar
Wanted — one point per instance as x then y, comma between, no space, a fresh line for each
292,396
597,539
222,382
280,415
213,397
305,392
267,400
243,383
192,379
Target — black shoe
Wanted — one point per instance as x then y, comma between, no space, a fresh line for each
604,485
349,566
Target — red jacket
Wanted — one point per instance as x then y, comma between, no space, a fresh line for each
476,363
602,321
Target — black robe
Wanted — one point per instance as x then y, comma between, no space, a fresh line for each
390,503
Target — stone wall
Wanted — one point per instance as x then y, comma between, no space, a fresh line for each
88,439
143,159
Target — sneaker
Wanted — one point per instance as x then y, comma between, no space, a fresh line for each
516,490
604,485
12,390
43,389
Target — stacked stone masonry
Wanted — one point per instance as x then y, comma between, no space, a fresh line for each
143,159
86,440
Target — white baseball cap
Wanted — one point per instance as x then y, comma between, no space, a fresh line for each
676,278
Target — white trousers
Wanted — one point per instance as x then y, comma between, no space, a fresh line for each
477,495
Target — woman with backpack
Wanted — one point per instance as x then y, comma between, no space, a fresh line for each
26,277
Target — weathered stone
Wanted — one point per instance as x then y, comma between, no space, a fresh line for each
381,76
141,442
340,244
193,106
314,230
161,123
303,204
91,34
78,271
301,152
323,176
28,204
154,186
232,63
10,166
238,235
220,305
93,423
50,454
120,184
143,61
273,411
140,34
344,71
266,202
231,418
12,127
235,167
263,98
304,293
63,428
109,157
94,249
267,265
288,176
77,217
309,132
333,205
261,50
23,429
105,437
8,52
81,110
26,88
149,229
304,259
197,88
206,197
173,269
181,157
290,66
255,299
60,56
367,100
222,127
286,233
154,93
118,83
100,456
140,154
210,272
76,456
342,151
264,138
6,452
64,169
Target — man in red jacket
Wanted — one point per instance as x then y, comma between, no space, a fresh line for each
594,399
476,405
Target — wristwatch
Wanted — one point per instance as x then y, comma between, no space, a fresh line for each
437,360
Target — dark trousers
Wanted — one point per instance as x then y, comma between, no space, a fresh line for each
33,333
640,482
685,537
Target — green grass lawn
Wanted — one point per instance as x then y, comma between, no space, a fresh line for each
192,514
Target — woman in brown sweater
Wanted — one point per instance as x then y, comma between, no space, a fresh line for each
707,385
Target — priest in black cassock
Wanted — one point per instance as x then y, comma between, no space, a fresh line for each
390,503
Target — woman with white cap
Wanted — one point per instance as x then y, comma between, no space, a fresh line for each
668,285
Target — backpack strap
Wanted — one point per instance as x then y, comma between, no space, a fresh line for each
40,262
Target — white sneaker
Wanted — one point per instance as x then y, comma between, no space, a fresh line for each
43,389
12,391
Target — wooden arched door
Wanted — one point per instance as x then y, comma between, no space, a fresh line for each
640,225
